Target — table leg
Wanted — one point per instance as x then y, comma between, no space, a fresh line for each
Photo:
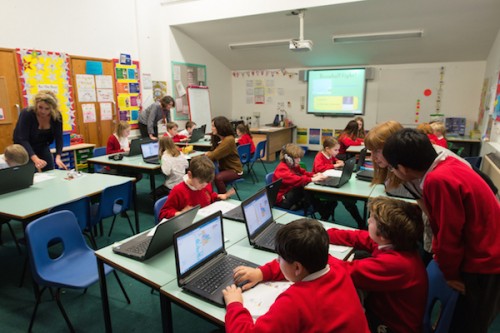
136,210
104,296
152,185
166,314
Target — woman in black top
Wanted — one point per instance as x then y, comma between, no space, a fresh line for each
36,128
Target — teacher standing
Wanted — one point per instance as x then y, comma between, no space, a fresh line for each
149,118
37,127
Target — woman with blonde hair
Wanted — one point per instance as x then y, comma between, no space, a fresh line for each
39,125
173,165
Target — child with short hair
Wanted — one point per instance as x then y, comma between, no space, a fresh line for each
394,276
188,130
118,141
439,130
195,189
172,132
464,217
14,155
243,133
173,165
322,297
349,137
294,178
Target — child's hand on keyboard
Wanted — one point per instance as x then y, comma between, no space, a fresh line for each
232,294
247,277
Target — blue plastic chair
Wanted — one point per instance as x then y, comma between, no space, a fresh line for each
75,267
81,209
439,294
114,200
158,205
99,151
304,212
244,153
258,155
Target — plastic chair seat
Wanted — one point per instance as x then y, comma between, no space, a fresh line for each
259,154
157,207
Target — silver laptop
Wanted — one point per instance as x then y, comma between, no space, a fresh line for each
145,245
203,266
16,178
150,152
344,177
236,213
260,225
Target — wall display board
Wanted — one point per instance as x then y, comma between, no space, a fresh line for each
184,75
43,70
199,105
128,91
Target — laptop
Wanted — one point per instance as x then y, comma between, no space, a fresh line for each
344,177
203,266
16,178
260,225
147,245
236,213
365,175
135,146
198,133
150,152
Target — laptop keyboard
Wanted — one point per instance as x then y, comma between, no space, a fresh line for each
212,280
141,247
268,238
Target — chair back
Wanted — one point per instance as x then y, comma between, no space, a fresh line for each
244,152
79,207
474,160
114,200
158,205
260,151
52,228
269,178
440,294
98,151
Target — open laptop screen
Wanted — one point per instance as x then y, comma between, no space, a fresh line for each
257,211
149,149
195,246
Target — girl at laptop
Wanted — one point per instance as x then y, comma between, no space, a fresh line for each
118,141
173,166
244,137
349,137
291,193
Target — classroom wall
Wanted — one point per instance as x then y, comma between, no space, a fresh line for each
460,94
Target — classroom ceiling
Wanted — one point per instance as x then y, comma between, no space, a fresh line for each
454,30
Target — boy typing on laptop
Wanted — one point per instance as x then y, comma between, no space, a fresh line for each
322,298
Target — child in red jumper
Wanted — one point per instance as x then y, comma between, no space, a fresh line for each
325,159
394,276
322,297
438,130
118,141
349,137
294,178
172,129
195,189
243,133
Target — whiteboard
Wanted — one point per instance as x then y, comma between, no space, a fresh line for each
402,95
199,105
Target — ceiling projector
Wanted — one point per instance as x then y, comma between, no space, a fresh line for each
301,45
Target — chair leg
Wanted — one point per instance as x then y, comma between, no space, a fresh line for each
59,304
129,223
121,287
112,225
33,315
262,162
236,190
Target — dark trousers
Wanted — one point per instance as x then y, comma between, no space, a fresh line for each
294,199
223,177
144,130
480,305
45,154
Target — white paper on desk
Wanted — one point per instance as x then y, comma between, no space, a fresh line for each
259,299
333,173
40,177
338,248
223,206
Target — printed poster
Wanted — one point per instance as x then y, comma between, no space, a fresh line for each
160,90
302,136
314,136
106,111
128,91
85,86
326,133
88,111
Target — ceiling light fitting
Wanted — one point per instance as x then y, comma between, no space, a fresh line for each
378,36
266,43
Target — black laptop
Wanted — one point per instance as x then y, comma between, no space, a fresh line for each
236,213
198,133
260,225
148,244
365,175
150,152
344,177
135,146
203,266
16,178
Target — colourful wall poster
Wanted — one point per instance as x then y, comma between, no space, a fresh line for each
128,91
302,136
43,70
160,90
496,106
314,136
326,133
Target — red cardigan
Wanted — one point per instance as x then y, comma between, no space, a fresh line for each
291,177
246,138
396,281
322,163
345,142
113,145
326,304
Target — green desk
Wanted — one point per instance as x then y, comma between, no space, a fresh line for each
33,201
203,144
